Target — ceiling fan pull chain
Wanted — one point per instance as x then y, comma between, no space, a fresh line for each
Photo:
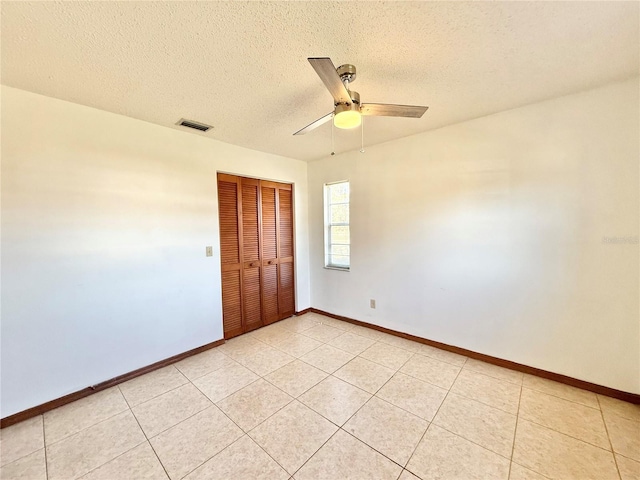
362,135
333,150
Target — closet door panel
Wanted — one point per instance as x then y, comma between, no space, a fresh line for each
269,223
250,220
269,251
286,296
231,303
270,293
285,209
251,272
252,298
230,253
286,300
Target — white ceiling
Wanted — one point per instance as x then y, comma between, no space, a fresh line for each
241,66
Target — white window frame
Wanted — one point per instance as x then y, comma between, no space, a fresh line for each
328,225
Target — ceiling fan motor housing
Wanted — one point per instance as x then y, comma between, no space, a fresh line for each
347,72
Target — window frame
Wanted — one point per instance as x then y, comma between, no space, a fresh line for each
327,226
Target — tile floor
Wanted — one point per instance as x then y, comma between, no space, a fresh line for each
316,398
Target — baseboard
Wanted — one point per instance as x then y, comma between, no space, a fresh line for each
85,392
302,312
574,382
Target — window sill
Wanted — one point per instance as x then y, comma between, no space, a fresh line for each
340,269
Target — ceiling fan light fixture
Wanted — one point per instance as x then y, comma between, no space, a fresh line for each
347,116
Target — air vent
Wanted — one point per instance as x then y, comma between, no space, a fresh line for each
195,125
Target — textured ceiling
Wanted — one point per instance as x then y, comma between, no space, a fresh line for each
241,66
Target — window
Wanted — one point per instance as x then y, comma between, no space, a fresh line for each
337,235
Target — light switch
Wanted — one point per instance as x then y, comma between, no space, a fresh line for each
209,251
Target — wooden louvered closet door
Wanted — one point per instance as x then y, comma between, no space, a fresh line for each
251,271
229,202
257,252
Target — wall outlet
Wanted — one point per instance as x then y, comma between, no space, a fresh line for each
209,251
372,303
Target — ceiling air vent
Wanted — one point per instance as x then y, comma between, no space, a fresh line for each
183,122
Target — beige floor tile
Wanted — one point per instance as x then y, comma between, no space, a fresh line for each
297,345
556,455
361,462
494,371
364,374
352,343
401,342
139,463
165,411
431,370
334,399
629,469
203,363
241,347
80,453
561,390
335,323
271,334
299,324
327,358
391,431
293,435
266,361
151,385
31,467
368,332
253,404
323,333
488,390
296,377
407,475
413,395
618,407
489,427
518,472
442,355
387,355
225,381
624,435
244,460
21,439
445,456
78,415
189,444
570,418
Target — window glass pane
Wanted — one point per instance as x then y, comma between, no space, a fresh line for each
342,250
340,213
339,235
339,193
339,260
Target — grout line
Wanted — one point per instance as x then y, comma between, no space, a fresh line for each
567,435
434,416
241,429
566,399
145,436
515,430
615,460
314,453
44,441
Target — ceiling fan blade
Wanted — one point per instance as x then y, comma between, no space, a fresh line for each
326,70
316,124
386,110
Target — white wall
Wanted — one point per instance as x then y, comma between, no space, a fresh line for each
105,220
488,235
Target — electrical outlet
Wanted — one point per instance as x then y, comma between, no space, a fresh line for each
209,251
372,303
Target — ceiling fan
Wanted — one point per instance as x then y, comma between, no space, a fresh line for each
347,107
